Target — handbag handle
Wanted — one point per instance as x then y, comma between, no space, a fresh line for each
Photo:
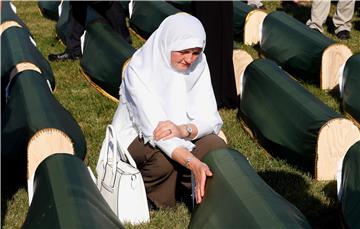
123,153
112,146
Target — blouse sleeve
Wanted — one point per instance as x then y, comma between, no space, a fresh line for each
203,110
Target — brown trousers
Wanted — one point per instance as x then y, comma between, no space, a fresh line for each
162,175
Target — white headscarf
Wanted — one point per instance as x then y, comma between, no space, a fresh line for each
154,91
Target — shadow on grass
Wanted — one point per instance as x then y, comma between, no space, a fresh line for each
335,93
356,25
298,193
12,179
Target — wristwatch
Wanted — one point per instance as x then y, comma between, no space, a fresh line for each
189,130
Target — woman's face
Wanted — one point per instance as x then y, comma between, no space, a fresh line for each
182,60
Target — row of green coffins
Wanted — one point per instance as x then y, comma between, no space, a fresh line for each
102,27
147,15
15,37
301,51
35,125
271,209
291,122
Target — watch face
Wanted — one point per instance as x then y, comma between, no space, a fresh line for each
189,130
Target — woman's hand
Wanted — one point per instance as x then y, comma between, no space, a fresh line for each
200,171
167,129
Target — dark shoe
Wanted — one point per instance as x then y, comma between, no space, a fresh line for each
343,35
63,56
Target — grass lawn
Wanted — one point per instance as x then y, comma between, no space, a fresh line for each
317,200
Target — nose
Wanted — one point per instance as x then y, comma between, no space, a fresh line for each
189,58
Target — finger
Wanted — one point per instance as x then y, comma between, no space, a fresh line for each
202,184
158,127
165,133
208,171
198,196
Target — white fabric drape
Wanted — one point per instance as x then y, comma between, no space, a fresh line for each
153,91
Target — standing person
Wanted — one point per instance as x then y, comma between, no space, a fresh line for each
217,18
342,18
167,116
110,10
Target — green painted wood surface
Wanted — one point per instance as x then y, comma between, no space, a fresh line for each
351,97
236,197
293,45
16,47
106,72
30,108
350,199
66,197
49,9
241,10
148,15
7,14
282,114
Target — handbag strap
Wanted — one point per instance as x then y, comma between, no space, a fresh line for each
127,155
123,153
111,151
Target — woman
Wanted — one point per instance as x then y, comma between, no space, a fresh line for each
167,115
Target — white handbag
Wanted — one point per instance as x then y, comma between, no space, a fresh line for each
120,182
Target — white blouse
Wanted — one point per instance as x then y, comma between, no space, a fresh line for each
152,91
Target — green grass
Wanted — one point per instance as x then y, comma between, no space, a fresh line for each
317,200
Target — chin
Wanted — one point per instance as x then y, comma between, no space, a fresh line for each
181,69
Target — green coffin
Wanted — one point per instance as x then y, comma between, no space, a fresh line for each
66,197
185,5
241,10
16,47
293,45
148,15
236,197
351,96
104,55
282,114
62,23
125,5
32,107
350,197
7,14
49,9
